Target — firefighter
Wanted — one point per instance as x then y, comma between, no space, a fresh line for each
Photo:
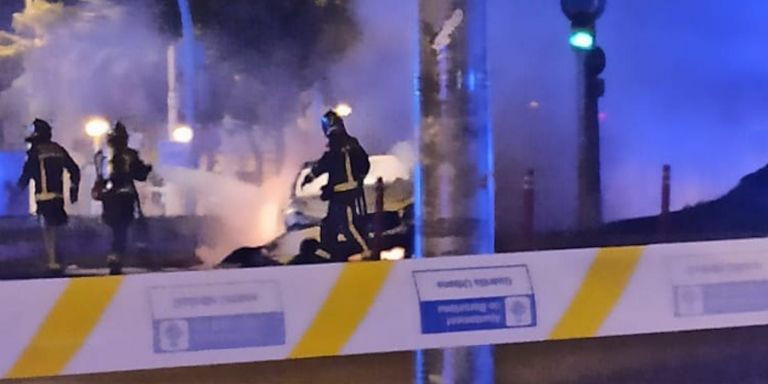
115,188
346,164
45,164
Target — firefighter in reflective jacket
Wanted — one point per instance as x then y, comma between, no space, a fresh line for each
346,164
45,164
116,190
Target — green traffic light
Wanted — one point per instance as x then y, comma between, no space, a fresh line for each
582,39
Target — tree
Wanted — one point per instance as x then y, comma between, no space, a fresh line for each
255,46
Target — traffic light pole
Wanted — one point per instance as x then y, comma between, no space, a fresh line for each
591,61
454,183
590,211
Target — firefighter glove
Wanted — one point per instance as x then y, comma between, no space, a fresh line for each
74,193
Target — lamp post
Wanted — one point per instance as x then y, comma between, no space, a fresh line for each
454,192
343,109
583,39
96,128
182,134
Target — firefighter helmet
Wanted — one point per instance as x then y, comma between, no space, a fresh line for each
119,130
39,130
332,122
118,135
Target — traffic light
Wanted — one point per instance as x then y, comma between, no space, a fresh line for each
583,14
594,65
582,38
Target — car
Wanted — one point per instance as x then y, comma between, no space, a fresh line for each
306,210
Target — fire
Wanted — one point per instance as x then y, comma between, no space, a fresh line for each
397,253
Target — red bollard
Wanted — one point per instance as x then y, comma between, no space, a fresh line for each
665,201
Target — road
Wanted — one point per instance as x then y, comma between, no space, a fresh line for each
727,356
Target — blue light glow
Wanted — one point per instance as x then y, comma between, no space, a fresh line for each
10,170
483,364
188,62
471,80
582,39
418,209
418,206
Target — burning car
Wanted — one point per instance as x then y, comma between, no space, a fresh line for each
306,210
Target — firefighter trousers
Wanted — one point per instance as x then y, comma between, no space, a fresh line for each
344,218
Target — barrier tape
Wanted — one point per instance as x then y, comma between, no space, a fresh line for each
104,324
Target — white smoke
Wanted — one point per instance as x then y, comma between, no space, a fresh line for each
105,57
407,154
96,58
247,214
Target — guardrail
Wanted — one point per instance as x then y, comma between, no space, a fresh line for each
103,324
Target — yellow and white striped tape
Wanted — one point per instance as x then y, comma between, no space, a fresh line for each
66,327
106,323
598,294
345,308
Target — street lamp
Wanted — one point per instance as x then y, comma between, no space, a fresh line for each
583,14
343,109
183,134
96,128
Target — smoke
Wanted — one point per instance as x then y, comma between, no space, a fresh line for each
669,98
407,153
377,78
672,97
377,75
95,58
265,70
248,214
258,108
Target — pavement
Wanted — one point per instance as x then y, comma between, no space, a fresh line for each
85,243
727,356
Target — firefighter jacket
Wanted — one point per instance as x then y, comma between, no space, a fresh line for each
123,167
346,163
45,165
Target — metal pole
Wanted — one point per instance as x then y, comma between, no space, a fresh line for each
583,15
589,185
455,202
529,208
378,225
173,95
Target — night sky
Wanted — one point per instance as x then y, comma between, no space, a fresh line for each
686,85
